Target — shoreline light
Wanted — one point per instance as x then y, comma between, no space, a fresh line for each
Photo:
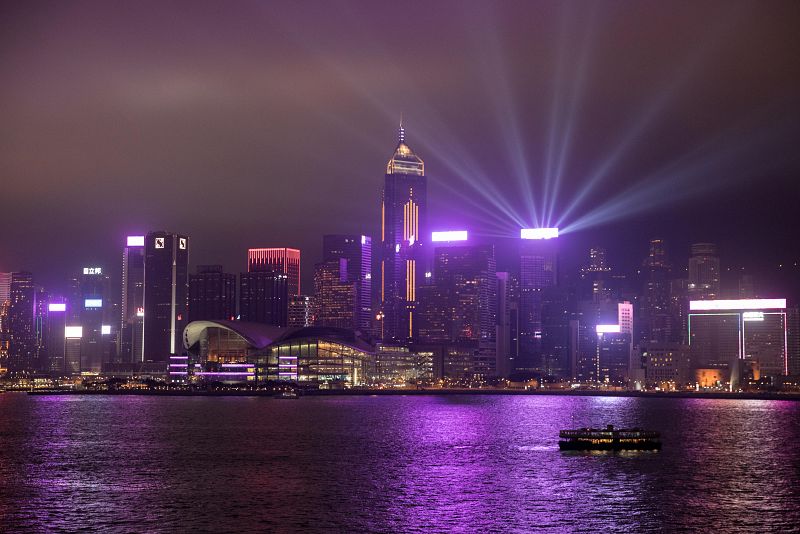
449,235
607,329
740,304
135,241
538,233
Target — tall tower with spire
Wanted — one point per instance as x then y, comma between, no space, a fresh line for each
404,232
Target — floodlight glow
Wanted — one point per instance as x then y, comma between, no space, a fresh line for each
538,233
753,316
607,329
93,303
135,240
411,241
73,332
740,304
105,330
450,235
57,307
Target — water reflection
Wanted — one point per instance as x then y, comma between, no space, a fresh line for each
468,463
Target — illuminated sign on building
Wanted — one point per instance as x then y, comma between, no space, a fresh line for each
538,233
56,307
182,243
607,329
92,270
753,316
139,312
159,242
135,240
73,332
741,304
93,303
451,235
105,330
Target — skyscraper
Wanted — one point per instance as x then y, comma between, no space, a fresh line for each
280,260
166,294
357,251
595,275
212,294
53,335
704,272
132,312
460,306
90,307
507,323
655,310
5,287
263,297
335,295
21,333
537,271
403,233
301,311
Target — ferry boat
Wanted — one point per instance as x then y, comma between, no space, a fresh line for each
609,439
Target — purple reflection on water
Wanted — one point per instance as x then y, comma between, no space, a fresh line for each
449,463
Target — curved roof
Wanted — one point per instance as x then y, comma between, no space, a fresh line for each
260,335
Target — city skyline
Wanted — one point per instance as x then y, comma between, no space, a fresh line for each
416,266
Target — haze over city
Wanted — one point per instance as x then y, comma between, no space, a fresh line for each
447,266
229,124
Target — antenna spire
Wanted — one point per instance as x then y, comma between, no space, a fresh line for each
401,133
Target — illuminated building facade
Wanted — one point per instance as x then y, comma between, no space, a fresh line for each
704,272
131,336
613,355
396,365
507,324
655,313
166,294
740,336
335,295
90,307
403,233
600,345
284,261
357,251
557,306
793,340
22,348
263,297
459,306
5,287
595,276
53,328
212,294
301,311
537,271
666,365
237,351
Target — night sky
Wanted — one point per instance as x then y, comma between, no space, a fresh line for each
269,124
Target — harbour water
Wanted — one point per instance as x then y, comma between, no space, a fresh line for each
467,463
